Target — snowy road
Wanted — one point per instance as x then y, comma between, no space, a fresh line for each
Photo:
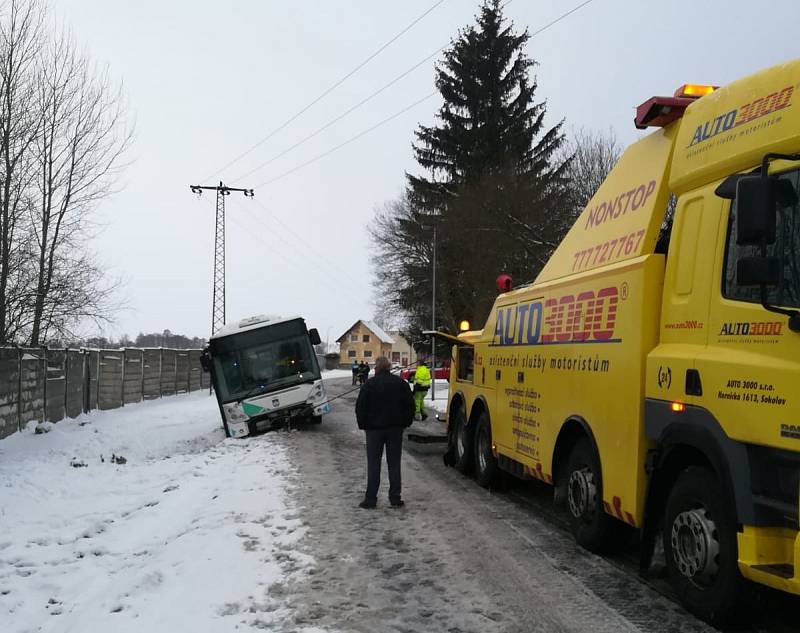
195,532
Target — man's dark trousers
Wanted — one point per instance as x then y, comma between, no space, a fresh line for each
376,439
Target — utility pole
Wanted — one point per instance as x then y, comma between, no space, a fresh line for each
433,319
218,301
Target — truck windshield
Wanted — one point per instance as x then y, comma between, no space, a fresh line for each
786,247
263,360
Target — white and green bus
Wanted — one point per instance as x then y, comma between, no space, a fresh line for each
265,373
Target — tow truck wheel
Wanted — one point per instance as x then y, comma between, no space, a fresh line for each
315,419
486,470
593,528
462,441
700,547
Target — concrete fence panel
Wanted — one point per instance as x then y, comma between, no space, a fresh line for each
32,385
75,383
9,390
51,384
56,385
169,366
151,386
132,376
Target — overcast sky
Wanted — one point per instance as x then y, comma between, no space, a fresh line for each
205,81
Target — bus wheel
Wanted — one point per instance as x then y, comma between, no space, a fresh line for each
462,441
700,547
593,528
486,471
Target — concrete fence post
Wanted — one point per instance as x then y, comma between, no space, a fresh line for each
44,386
66,382
160,372
99,374
122,373
175,380
19,389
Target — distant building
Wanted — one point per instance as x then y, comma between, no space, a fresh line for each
403,353
364,340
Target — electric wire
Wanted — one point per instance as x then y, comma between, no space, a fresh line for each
347,142
338,118
327,91
296,261
300,240
374,94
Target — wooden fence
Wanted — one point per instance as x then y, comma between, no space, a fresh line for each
53,384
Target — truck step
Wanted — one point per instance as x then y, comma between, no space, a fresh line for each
780,570
426,438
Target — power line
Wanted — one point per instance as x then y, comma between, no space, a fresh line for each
350,110
290,257
559,18
326,92
375,94
348,141
356,283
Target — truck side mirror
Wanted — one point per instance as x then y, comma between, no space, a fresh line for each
314,336
758,271
756,210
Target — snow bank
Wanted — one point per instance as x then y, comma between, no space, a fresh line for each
188,531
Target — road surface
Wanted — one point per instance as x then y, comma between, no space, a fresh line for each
457,558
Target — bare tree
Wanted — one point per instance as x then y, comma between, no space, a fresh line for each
22,33
594,155
77,155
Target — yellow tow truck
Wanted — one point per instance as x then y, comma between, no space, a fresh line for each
651,372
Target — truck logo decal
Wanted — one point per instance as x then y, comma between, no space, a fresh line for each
587,317
754,328
746,113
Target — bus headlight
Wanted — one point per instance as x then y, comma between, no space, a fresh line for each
317,392
234,413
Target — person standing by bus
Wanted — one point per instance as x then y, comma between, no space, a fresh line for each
384,408
422,382
354,369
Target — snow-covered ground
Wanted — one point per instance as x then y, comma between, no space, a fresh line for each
145,519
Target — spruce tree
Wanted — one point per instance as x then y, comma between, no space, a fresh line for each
494,183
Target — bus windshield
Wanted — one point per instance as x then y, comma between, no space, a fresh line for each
263,360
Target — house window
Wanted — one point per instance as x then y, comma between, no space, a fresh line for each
365,338
404,362
367,353
351,353
354,338
395,357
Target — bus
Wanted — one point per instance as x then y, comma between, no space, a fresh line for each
264,373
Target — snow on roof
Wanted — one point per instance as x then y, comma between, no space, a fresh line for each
385,338
251,323
372,327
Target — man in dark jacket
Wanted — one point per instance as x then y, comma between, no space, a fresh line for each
384,408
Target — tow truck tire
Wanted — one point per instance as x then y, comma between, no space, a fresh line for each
593,528
462,441
700,547
486,470
315,419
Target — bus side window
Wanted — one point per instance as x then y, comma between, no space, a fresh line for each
466,362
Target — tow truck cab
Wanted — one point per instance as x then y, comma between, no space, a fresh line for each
651,370
264,372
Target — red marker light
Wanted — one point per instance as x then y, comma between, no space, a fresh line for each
678,407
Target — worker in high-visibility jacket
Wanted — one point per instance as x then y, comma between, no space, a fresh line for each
422,382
